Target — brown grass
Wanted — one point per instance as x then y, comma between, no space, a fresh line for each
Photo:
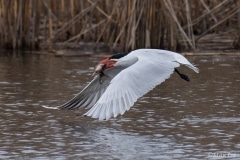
127,24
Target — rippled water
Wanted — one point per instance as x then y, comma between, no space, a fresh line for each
177,120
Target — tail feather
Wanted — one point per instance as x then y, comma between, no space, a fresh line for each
192,67
182,60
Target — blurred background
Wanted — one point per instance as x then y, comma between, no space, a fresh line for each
120,25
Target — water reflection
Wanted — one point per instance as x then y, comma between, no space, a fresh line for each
177,120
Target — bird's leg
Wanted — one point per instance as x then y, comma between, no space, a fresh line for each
183,76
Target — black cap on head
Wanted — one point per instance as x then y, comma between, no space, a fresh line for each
118,56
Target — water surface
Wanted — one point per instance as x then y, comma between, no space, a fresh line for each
177,120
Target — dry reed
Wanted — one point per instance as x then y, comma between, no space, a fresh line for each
128,24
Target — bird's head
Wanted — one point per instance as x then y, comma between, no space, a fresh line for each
103,65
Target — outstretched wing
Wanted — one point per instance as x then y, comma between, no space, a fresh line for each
130,84
89,95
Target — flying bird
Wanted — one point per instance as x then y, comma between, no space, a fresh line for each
123,78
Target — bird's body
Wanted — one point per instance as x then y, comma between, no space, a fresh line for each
121,79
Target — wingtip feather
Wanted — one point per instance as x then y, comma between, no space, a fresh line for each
49,107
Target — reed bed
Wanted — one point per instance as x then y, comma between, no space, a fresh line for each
126,24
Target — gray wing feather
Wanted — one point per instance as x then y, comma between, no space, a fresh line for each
128,86
89,95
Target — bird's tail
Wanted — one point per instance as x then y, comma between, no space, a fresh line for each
192,67
181,59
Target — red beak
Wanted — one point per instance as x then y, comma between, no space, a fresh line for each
108,63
